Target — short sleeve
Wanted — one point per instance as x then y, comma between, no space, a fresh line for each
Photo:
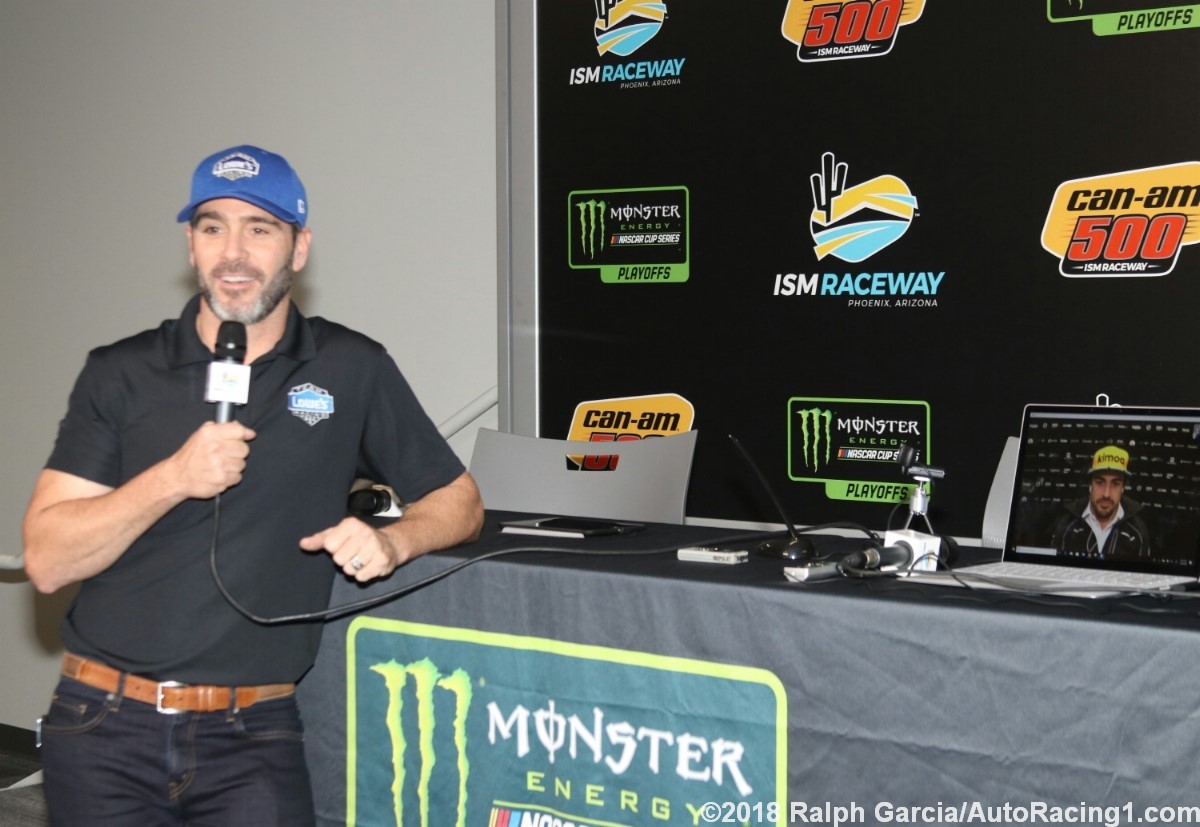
88,443
401,446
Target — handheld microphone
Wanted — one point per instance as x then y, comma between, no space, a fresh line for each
228,378
899,555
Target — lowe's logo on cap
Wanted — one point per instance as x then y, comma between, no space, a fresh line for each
235,166
310,403
253,175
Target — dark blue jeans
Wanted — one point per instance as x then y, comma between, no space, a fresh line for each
113,761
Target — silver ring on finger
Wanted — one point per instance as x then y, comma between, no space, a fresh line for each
356,563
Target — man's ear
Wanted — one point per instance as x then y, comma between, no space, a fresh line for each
300,249
187,231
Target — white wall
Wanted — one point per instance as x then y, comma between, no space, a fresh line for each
385,107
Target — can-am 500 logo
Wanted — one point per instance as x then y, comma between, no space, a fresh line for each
842,29
624,419
1125,224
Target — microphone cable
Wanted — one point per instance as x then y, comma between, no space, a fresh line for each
352,607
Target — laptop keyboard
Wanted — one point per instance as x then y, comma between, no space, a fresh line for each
1123,580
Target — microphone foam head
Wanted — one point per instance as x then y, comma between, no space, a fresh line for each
231,342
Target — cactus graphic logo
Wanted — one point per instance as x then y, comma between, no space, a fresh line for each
1124,225
843,29
855,223
1125,16
624,26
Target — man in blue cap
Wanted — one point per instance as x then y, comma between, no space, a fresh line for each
190,538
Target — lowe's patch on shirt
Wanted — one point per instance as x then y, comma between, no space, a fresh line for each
310,403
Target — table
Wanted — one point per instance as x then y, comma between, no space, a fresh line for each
880,695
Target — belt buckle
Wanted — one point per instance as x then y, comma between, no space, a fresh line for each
158,697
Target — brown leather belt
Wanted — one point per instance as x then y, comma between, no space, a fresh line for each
168,696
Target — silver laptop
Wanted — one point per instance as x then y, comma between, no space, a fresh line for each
1106,500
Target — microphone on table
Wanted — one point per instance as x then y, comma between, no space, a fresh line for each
228,378
791,547
899,555
375,501
855,563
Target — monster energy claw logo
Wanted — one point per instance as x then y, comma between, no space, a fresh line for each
815,427
591,219
426,700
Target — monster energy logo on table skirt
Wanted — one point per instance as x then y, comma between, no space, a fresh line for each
450,727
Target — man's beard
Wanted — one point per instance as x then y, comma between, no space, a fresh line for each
268,299
1106,511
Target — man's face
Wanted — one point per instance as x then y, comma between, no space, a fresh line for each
244,257
1107,488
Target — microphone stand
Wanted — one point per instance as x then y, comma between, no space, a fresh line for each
930,548
918,502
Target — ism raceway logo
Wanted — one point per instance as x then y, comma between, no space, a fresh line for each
846,28
1111,17
452,727
632,236
854,223
850,445
1126,224
622,27
625,419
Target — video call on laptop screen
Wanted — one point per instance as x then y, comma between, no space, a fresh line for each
1116,488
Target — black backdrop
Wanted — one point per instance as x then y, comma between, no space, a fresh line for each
983,110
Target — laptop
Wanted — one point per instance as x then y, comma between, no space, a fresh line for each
1105,501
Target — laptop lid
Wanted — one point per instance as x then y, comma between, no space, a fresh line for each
1134,471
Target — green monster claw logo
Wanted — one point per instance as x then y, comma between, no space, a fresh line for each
811,421
591,217
425,679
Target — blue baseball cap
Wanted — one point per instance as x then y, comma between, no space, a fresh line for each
250,174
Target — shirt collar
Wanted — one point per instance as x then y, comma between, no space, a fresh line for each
184,346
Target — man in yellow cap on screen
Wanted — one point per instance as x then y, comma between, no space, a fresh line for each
1107,524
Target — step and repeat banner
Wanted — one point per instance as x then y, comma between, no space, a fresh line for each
835,227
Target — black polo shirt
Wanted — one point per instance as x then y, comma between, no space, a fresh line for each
329,405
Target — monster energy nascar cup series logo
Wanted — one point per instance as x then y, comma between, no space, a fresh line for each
632,236
851,445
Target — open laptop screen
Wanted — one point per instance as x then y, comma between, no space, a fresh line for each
1107,487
